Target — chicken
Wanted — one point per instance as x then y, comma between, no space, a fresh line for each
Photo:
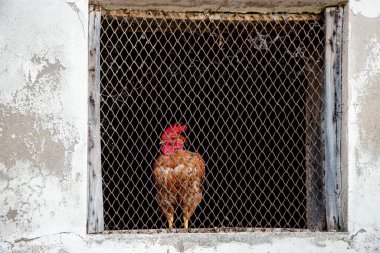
178,175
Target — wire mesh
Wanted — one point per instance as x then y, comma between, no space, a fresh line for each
249,87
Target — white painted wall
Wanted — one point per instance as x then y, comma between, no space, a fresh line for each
43,141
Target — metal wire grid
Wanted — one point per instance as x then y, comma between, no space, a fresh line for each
250,89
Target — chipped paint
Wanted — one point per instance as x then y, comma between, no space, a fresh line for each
366,80
34,143
72,4
43,141
362,126
367,8
43,132
11,215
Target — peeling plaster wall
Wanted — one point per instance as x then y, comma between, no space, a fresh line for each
222,6
43,141
363,121
43,118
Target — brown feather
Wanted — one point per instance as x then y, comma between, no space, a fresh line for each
178,179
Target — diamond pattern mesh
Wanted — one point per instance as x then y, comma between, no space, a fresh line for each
249,87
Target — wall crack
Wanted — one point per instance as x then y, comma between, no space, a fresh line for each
24,239
75,8
350,239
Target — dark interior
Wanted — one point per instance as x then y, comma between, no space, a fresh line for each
241,87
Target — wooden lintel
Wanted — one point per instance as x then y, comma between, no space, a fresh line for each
225,16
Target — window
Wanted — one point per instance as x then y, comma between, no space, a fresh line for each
256,94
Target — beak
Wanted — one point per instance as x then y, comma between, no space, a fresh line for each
162,142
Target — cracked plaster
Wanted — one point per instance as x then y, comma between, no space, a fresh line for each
43,133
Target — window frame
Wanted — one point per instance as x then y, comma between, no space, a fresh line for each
331,123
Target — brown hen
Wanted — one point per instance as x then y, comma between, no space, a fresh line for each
178,176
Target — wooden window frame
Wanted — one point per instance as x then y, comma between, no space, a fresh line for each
331,124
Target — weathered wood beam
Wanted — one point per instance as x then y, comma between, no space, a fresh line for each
332,117
210,16
95,222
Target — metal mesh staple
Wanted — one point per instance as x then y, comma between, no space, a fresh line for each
250,89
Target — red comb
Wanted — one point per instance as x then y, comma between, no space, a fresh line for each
176,128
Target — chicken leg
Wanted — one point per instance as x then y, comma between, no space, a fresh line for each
185,222
170,221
